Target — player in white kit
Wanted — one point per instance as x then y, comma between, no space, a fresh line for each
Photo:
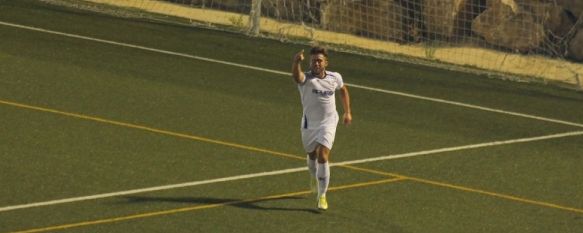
317,91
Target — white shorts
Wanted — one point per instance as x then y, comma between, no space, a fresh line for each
323,135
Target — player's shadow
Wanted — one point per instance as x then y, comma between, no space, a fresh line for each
245,204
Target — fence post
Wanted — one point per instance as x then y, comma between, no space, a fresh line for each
255,18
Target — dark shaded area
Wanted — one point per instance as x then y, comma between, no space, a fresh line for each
239,203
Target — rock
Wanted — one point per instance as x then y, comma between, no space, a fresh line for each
337,17
554,19
380,19
410,19
504,25
573,6
440,17
285,10
376,19
575,51
469,10
510,3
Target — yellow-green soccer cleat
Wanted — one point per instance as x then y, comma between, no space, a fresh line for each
322,203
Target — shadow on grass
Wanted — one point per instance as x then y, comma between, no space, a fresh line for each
245,204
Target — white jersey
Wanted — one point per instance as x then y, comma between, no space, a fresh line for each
318,99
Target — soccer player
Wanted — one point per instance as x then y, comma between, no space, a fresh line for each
317,92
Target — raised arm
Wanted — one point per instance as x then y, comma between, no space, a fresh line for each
347,117
297,67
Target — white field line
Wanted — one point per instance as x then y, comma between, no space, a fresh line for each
459,148
289,74
150,189
141,47
469,106
286,171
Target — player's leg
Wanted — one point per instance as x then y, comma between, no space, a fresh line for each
322,169
309,143
323,174
311,161
322,153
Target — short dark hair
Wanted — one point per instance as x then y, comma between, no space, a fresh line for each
319,50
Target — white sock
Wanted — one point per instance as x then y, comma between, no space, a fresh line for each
323,174
311,166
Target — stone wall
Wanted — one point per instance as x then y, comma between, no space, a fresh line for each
527,26
407,12
368,18
546,27
508,26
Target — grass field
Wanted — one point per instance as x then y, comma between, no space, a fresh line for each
122,125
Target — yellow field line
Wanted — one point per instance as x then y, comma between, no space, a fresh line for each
145,128
493,194
166,132
201,207
372,171
472,190
394,175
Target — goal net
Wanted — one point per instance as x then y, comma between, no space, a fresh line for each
531,39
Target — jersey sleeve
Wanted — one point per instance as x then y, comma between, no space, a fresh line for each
339,81
305,78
